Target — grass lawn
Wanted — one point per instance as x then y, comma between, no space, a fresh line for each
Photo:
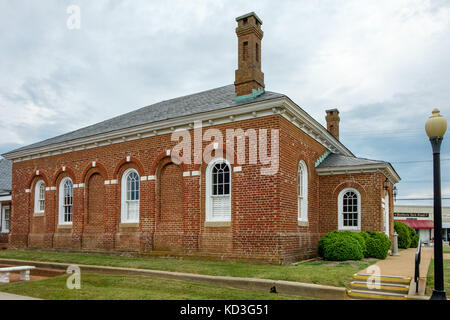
446,249
336,274
430,277
117,287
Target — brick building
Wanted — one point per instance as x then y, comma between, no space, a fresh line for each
123,185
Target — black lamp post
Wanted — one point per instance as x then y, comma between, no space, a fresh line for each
435,127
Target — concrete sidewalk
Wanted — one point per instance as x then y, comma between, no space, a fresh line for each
404,265
10,296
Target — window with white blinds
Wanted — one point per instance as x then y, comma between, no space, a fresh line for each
302,191
65,201
218,185
349,204
130,196
39,197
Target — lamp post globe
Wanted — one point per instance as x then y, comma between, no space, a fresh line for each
435,127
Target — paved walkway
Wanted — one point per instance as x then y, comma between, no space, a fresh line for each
403,265
10,296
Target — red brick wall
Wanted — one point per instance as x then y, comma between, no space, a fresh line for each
369,185
298,242
170,216
172,207
94,213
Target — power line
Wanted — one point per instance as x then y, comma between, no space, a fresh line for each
420,199
421,181
416,161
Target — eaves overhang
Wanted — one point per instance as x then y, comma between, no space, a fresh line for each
282,106
385,168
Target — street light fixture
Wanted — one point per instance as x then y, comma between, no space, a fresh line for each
435,127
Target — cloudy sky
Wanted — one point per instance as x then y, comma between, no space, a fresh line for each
384,64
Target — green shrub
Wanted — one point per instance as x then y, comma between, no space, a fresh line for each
347,245
415,240
378,245
404,237
325,240
343,248
414,237
361,240
330,238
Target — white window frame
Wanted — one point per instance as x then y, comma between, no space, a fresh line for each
61,203
3,229
37,197
124,202
302,187
210,216
386,213
341,210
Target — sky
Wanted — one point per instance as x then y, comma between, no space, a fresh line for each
384,64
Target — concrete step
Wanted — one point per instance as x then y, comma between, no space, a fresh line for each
383,287
385,279
374,295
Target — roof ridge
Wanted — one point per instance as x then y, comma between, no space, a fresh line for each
200,102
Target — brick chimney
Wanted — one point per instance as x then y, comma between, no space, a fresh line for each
248,75
333,122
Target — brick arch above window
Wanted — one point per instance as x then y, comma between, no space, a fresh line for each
226,155
350,185
60,174
35,178
90,170
128,165
124,164
309,165
161,158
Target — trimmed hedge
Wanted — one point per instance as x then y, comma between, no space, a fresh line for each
378,245
407,236
347,245
343,248
414,237
415,240
334,235
404,237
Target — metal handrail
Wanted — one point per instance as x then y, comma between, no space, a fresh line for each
417,265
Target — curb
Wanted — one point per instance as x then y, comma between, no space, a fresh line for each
266,285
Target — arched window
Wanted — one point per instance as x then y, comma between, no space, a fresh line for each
218,186
130,196
39,197
349,203
65,201
302,191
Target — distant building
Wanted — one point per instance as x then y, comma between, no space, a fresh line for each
420,218
5,199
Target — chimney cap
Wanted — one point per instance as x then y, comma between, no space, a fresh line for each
249,15
332,110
